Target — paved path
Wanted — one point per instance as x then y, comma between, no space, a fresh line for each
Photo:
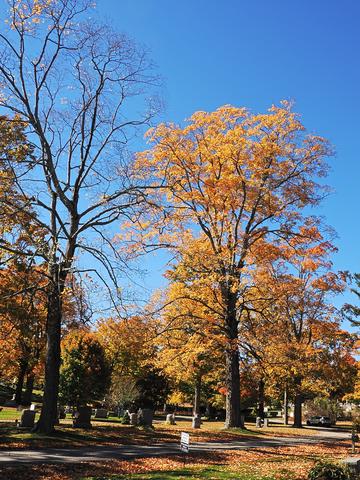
125,452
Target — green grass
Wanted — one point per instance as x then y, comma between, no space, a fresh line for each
207,473
9,434
65,435
9,414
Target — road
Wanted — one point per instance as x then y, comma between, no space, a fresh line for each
126,452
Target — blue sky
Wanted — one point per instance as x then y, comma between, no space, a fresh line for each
255,53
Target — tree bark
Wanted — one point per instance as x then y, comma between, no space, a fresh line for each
233,416
23,366
286,407
233,409
197,395
48,414
298,405
27,397
261,400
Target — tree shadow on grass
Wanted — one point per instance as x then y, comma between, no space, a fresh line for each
108,472
66,436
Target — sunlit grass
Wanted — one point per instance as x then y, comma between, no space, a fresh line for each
111,432
208,473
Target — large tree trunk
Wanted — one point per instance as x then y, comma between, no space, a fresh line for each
48,414
261,400
286,407
197,395
298,400
23,366
233,410
27,397
233,417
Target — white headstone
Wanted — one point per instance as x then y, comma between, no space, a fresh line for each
133,419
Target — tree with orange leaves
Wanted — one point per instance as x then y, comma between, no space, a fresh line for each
189,351
299,339
22,322
130,348
230,179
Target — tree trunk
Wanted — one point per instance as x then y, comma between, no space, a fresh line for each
197,395
261,400
27,397
48,416
23,366
233,411
298,410
210,411
286,407
233,417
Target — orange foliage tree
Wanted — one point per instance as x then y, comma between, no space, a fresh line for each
230,179
131,351
298,338
22,321
188,348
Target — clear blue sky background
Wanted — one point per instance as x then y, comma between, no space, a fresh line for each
255,53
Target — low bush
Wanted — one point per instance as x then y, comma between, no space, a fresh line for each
328,471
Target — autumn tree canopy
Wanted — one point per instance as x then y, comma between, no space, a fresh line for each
231,180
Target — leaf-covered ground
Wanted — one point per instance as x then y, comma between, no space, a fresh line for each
111,432
263,463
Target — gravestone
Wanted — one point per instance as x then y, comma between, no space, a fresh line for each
133,419
27,419
82,417
266,422
145,417
101,413
120,411
11,403
33,407
196,421
61,413
258,423
353,464
170,419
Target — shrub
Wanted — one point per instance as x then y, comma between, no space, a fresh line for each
328,471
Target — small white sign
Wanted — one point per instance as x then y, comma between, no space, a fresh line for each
184,442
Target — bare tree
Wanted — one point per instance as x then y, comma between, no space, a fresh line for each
78,86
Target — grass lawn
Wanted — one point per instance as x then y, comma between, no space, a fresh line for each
280,463
9,414
111,432
208,473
